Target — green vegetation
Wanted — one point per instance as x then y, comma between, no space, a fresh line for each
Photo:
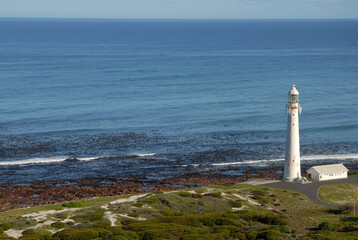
215,212
338,194
72,205
58,225
90,216
185,194
213,194
138,204
236,203
23,223
353,173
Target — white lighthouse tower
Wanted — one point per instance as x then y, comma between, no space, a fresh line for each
292,158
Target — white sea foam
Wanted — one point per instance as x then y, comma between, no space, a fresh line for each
313,158
34,161
44,160
144,154
88,159
59,159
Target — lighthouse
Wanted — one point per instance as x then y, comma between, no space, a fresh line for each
292,170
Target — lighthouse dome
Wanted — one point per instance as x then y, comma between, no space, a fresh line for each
293,95
293,91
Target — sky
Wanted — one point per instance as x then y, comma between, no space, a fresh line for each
181,9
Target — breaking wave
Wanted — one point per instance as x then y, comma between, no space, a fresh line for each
313,158
145,154
45,160
53,160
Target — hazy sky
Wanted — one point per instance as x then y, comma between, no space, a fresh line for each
204,9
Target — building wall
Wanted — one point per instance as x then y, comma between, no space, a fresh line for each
292,156
333,176
313,174
322,177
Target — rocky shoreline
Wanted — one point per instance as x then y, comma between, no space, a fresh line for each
26,194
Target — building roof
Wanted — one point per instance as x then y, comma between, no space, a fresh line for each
327,169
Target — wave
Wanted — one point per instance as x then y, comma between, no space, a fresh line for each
45,160
145,154
34,161
59,159
313,158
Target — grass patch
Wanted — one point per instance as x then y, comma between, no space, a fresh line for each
72,205
213,194
185,194
58,225
23,223
338,194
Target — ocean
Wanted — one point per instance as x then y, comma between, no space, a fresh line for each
82,98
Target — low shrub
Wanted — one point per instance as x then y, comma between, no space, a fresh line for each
133,214
151,200
353,173
61,215
58,225
166,212
72,204
103,223
5,226
207,221
118,234
225,221
29,232
328,226
70,223
269,218
258,193
349,228
251,235
260,199
35,234
346,208
103,233
23,223
185,194
236,204
76,234
89,217
95,216
196,195
284,229
6,238
214,194
207,236
269,235
138,204
128,221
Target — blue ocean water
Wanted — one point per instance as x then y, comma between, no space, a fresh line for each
159,93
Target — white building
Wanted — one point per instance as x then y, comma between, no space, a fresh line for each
327,172
292,157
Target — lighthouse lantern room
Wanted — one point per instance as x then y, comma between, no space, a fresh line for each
292,171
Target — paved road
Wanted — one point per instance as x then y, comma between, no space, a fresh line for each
311,189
